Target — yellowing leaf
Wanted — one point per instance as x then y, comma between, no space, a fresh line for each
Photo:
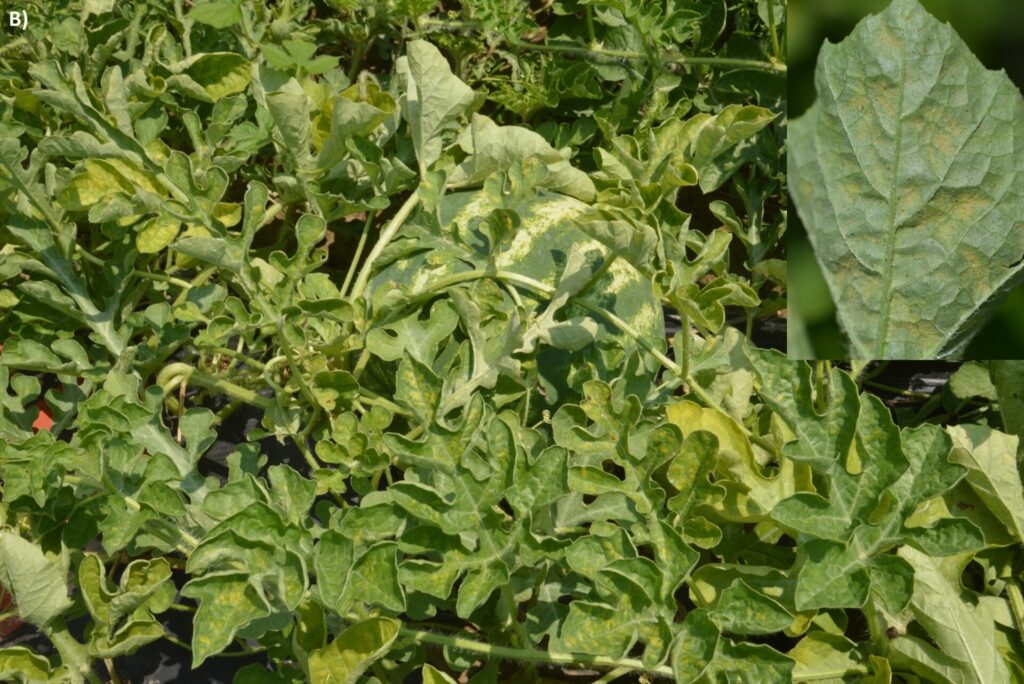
218,74
715,145
157,233
101,179
750,495
359,646
228,213
956,622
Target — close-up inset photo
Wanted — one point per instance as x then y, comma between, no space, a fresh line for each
397,342
906,166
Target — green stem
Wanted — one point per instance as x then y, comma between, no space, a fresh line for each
239,356
611,676
529,655
372,398
91,258
72,653
11,44
771,31
182,608
163,279
522,640
190,542
1013,593
819,386
877,630
684,321
176,641
358,253
186,27
174,373
304,387
896,390
357,59
300,440
671,58
386,236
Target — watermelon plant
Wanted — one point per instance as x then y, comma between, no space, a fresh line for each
424,341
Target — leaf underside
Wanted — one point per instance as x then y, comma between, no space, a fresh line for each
907,173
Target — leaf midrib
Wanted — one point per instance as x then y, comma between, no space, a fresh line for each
883,326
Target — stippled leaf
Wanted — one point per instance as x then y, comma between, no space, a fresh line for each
898,174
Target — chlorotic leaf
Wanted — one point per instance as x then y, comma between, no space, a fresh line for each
431,675
218,74
903,178
18,663
359,646
820,655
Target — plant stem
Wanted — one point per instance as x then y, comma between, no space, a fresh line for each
11,44
684,320
114,679
372,398
771,31
590,26
239,356
163,278
296,370
386,236
896,390
819,386
529,655
91,258
176,641
186,27
72,653
1013,593
174,373
611,676
878,636
190,541
671,58
358,253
